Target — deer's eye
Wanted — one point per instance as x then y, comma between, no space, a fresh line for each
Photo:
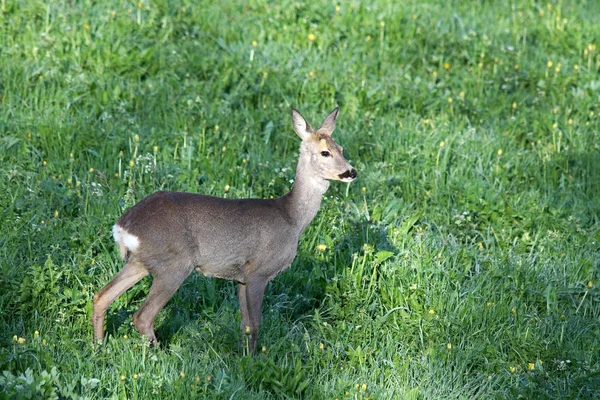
325,153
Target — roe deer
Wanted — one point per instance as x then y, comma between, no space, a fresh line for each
169,234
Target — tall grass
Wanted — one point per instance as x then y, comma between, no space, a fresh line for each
463,263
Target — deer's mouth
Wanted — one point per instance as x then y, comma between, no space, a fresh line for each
348,176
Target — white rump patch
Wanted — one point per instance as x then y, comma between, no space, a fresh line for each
125,239
117,233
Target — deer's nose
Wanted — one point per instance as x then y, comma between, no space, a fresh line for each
351,173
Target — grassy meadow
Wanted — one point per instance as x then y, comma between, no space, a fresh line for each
463,263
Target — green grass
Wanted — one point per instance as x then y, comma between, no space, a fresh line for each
462,263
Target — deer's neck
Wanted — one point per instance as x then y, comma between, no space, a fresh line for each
304,200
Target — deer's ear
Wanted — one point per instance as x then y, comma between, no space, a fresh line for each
301,126
329,124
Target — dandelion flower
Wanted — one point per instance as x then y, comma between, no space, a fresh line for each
449,346
123,377
311,37
590,284
499,152
321,346
512,369
321,247
431,311
447,66
364,387
227,187
21,340
549,64
531,366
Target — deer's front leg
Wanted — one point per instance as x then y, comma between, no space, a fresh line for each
251,296
244,311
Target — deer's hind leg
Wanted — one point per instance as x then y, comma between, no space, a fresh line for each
129,275
163,288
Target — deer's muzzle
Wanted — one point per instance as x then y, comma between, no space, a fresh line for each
348,175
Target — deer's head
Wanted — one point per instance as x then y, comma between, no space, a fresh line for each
324,157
